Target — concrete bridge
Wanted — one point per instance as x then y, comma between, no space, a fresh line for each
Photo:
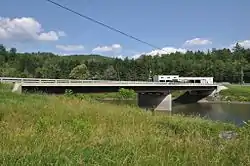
155,95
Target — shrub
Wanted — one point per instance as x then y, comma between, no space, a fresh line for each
126,93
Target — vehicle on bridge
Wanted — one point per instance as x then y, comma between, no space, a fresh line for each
177,78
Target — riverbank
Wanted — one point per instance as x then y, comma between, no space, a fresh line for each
223,102
235,93
40,130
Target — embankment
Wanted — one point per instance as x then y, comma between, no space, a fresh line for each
62,130
236,93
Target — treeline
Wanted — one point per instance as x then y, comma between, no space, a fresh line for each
224,65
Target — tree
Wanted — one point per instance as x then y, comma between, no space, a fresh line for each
110,73
12,54
50,69
2,49
223,64
8,71
79,72
2,54
239,55
66,65
13,51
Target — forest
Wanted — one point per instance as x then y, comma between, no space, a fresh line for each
225,65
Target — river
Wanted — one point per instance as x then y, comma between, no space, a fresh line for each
225,112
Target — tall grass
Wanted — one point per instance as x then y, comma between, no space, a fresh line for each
58,130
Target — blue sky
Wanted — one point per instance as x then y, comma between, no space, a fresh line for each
172,25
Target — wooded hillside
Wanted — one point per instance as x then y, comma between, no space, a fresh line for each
223,64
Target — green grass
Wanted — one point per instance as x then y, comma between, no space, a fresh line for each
60,130
236,93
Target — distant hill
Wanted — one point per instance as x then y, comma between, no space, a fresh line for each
92,57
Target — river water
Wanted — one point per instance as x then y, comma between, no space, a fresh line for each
225,112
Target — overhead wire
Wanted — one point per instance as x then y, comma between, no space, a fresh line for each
104,25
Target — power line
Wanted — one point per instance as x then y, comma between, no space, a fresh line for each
102,24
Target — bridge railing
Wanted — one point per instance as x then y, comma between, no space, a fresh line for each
72,81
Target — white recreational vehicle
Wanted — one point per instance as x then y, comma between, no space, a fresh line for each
177,78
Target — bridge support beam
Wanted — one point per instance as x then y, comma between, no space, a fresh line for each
193,96
156,101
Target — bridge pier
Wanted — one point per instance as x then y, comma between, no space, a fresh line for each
156,101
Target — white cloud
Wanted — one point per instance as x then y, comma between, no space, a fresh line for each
49,36
165,50
70,47
197,41
245,44
136,56
61,33
114,47
118,56
26,28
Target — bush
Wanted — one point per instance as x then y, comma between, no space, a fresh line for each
68,93
126,93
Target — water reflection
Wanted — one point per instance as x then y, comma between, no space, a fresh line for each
235,113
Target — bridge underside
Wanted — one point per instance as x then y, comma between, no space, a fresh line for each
193,96
102,89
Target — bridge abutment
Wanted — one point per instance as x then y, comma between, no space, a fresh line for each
17,88
156,101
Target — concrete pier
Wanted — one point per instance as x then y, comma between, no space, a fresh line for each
156,101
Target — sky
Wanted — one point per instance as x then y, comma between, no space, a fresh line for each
172,25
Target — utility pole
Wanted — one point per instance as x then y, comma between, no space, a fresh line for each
241,71
149,75
241,75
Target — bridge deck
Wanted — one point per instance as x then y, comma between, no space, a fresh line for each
120,84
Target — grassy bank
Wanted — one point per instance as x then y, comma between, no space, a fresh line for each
58,130
236,93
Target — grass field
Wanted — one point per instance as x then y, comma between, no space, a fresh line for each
236,93
60,130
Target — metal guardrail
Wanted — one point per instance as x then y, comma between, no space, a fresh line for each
72,81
